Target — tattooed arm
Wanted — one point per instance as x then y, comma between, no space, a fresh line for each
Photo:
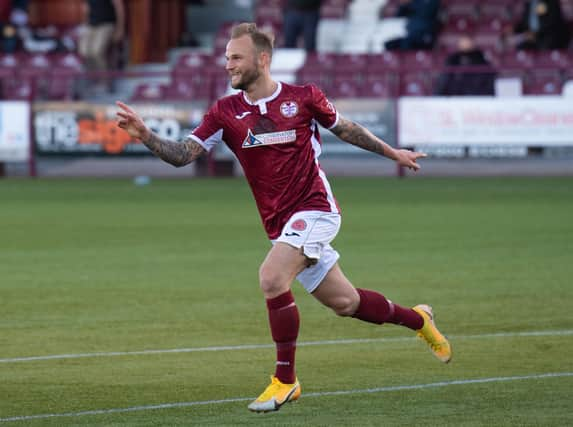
175,153
358,135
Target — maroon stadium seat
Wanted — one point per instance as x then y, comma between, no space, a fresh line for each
36,65
415,84
380,85
487,39
322,77
461,8
456,22
219,86
191,72
448,40
66,71
544,83
494,10
182,90
518,59
382,62
149,92
10,60
416,60
492,25
343,87
6,79
9,65
33,76
19,90
350,63
193,62
552,59
315,59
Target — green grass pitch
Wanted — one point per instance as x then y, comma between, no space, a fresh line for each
104,269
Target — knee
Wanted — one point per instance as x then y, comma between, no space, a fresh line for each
271,282
344,306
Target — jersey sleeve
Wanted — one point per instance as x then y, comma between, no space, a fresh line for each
210,131
323,110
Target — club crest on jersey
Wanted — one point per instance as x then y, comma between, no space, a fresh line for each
289,109
299,225
270,138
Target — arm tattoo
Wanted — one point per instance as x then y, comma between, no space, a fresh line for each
358,135
176,153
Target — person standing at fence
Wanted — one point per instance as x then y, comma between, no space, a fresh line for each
272,128
541,26
468,72
301,18
421,25
105,24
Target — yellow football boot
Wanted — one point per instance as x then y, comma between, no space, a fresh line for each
439,344
276,395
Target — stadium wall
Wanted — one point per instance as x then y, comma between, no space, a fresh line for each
463,136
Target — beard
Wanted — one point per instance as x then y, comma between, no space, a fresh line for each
248,77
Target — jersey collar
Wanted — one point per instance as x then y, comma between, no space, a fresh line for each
262,103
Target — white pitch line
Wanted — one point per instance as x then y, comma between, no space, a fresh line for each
259,346
317,394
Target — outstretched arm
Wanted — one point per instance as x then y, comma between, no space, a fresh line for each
358,135
175,153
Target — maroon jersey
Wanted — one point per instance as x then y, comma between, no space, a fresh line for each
276,140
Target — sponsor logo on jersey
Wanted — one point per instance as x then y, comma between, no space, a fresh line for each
242,115
270,138
289,109
292,234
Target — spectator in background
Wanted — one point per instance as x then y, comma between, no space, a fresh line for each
541,26
301,17
13,18
475,75
421,26
8,38
105,25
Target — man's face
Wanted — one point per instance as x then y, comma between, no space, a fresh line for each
242,62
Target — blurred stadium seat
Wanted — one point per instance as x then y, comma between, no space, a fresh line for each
417,60
344,87
379,85
320,60
415,84
149,92
543,83
461,8
555,59
383,62
350,63
494,10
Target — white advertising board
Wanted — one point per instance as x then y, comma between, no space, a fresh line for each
526,121
14,131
